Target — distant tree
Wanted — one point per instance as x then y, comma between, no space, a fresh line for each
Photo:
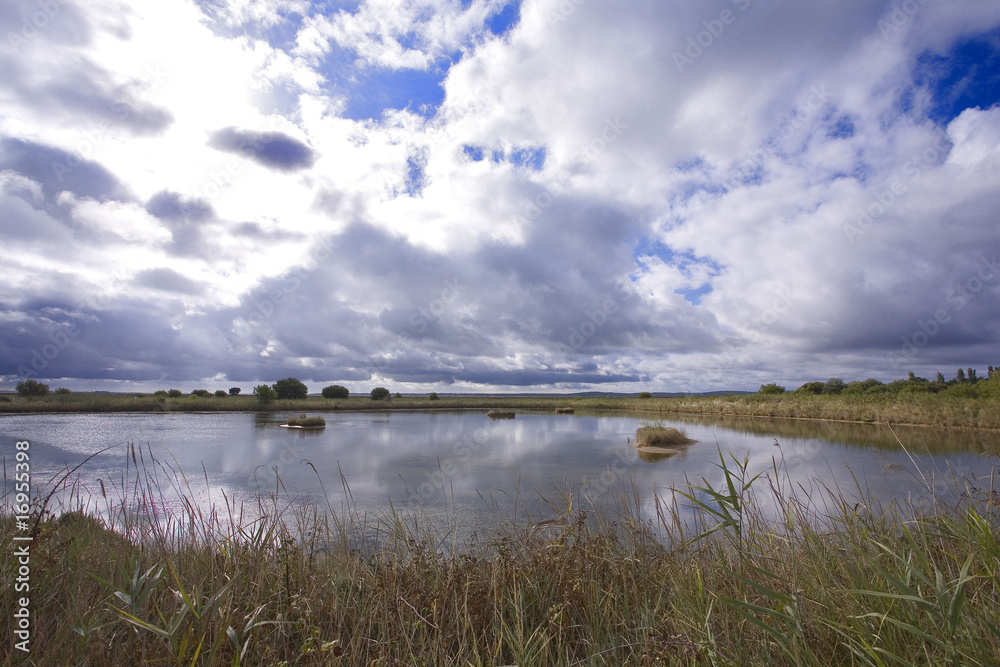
834,386
398,395
175,393
201,393
264,394
290,388
645,394
221,393
434,396
960,376
911,377
940,378
32,388
811,388
160,393
869,386
972,375
336,391
380,394
63,391
771,389
234,391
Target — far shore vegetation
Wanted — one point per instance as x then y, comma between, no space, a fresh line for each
966,401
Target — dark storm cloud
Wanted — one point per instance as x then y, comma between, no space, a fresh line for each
123,340
186,218
171,206
80,92
449,319
57,170
72,89
270,149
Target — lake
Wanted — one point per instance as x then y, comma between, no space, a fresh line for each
465,469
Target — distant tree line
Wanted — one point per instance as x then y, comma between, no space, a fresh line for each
965,383
286,389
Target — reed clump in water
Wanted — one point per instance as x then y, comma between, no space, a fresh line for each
303,421
661,436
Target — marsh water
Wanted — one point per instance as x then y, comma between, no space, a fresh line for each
470,470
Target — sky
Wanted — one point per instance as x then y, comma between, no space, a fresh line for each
497,195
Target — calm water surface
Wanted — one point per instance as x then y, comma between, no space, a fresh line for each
465,467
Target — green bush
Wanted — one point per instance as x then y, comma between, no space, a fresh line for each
234,391
336,391
175,393
434,396
221,393
811,388
264,394
964,390
201,393
834,386
291,388
771,389
869,386
380,394
63,391
32,388
161,393
645,394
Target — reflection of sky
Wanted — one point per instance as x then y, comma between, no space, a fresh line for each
456,466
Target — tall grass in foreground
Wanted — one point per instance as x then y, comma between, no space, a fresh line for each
831,581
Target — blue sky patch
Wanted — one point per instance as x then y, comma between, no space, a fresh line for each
474,153
508,17
372,91
968,76
694,295
685,262
840,127
416,178
530,157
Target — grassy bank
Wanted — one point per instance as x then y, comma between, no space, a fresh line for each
918,409
577,587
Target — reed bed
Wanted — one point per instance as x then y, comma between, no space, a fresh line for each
747,570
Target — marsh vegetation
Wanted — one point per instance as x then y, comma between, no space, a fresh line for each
830,581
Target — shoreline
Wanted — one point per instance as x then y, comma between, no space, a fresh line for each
925,410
